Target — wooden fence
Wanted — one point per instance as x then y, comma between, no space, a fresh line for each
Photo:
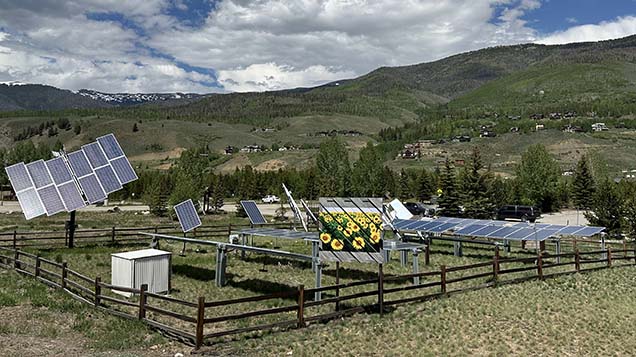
380,293
23,239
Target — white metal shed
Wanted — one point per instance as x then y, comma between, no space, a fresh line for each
146,266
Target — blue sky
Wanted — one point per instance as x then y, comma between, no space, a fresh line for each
256,45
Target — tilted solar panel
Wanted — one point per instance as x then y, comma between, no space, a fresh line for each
542,234
187,215
503,232
521,234
485,231
51,200
95,155
92,189
570,230
30,203
253,213
79,163
469,229
124,170
108,179
71,196
39,174
589,231
442,227
19,177
59,171
110,146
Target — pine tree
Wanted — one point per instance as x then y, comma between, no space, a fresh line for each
474,187
216,197
583,186
449,198
538,176
425,186
607,207
334,171
135,128
405,187
155,199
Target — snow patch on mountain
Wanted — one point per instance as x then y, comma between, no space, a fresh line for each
134,98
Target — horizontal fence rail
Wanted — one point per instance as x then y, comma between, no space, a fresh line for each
296,308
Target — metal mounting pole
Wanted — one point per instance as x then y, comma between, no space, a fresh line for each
318,294
71,230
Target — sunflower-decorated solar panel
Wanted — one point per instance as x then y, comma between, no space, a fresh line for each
351,230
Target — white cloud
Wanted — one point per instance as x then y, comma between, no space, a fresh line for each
255,45
270,76
620,27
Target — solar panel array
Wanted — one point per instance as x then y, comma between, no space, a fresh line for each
253,213
187,215
52,186
495,229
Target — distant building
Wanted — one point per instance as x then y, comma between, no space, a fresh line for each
539,127
599,127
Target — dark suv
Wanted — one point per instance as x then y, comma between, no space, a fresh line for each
524,213
415,208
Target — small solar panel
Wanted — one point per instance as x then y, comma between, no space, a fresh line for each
51,200
187,215
79,163
19,177
589,231
71,196
521,234
95,155
124,170
108,179
485,231
253,213
59,171
503,232
30,203
92,189
400,223
39,173
413,224
469,229
110,146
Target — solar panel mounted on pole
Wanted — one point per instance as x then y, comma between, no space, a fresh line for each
187,215
70,181
253,213
295,208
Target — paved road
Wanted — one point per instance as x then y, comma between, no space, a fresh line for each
565,217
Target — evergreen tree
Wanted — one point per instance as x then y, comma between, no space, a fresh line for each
334,171
474,185
629,211
607,207
155,199
405,187
583,186
311,184
388,183
184,189
247,184
216,195
425,186
538,176
135,128
449,198
367,172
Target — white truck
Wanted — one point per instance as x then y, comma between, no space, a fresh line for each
270,199
599,127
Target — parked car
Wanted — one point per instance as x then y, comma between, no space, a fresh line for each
415,208
523,213
270,199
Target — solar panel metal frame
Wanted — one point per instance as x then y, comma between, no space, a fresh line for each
187,215
253,213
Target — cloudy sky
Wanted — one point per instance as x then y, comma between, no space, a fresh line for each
255,45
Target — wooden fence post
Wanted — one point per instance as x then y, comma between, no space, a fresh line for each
337,285
609,257
301,306
229,229
142,301
37,265
16,259
381,289
443,278
64,274
540,266
427,254
495,266
577,261
15,238
112,236
98,290
200,318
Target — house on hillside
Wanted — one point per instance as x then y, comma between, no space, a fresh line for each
572,129
229,150
251,148
539,127
599,127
